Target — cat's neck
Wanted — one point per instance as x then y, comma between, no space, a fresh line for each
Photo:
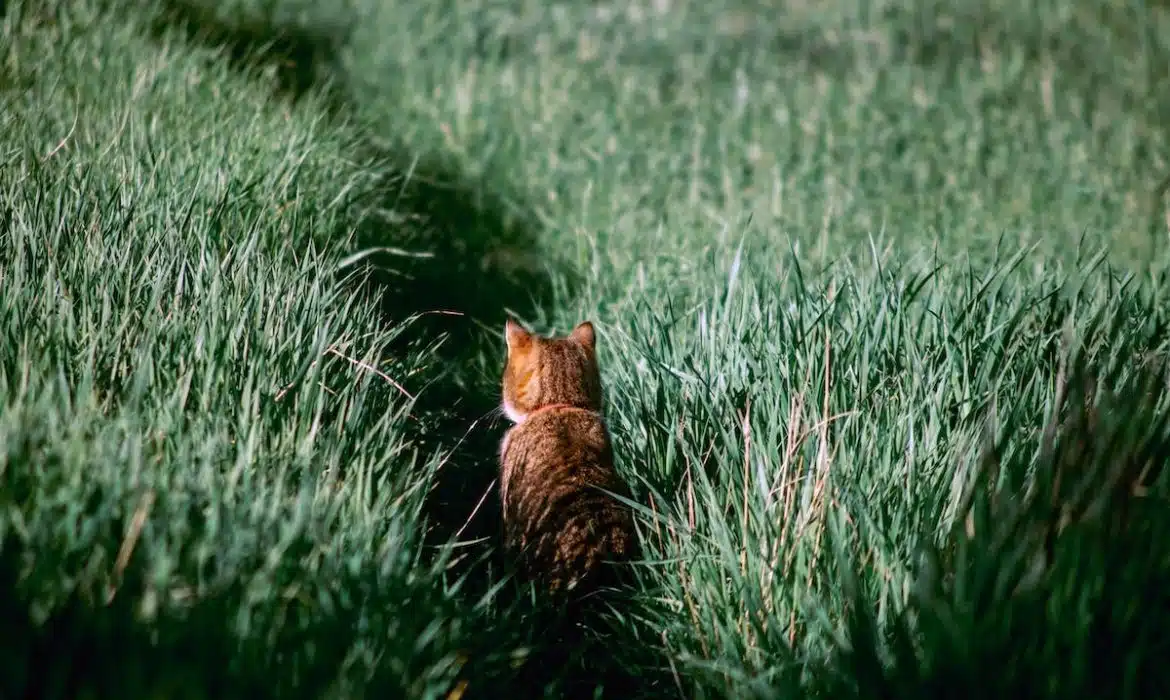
557,407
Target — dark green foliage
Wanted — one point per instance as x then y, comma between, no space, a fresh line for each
880,412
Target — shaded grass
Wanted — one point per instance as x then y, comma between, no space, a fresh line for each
433,242
207,252
1065,538
252,248
295,56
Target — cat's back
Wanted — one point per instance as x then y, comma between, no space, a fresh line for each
560,437
558,481
558,485
559,453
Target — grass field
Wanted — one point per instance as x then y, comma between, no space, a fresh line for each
255,261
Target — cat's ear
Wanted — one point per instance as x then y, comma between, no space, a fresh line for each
583,334
515,336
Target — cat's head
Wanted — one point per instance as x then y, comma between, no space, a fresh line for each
541,371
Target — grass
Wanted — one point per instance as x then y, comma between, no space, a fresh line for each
849,264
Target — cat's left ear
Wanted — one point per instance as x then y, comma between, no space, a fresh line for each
583,334
515,336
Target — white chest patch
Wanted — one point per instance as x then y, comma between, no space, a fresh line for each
513,415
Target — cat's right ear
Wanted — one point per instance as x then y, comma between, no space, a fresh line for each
584,335
515,336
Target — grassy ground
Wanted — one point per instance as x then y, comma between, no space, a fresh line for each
255,259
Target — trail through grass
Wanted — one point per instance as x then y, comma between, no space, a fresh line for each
255,260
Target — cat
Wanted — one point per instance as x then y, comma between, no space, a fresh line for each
557,463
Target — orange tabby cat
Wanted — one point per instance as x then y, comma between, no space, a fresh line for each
557,464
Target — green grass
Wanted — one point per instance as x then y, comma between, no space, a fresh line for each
255,259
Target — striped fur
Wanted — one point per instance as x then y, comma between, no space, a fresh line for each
557,464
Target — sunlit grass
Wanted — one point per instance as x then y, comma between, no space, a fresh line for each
255,260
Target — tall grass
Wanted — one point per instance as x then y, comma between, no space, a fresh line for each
255,260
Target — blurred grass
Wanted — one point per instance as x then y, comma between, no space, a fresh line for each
254,257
